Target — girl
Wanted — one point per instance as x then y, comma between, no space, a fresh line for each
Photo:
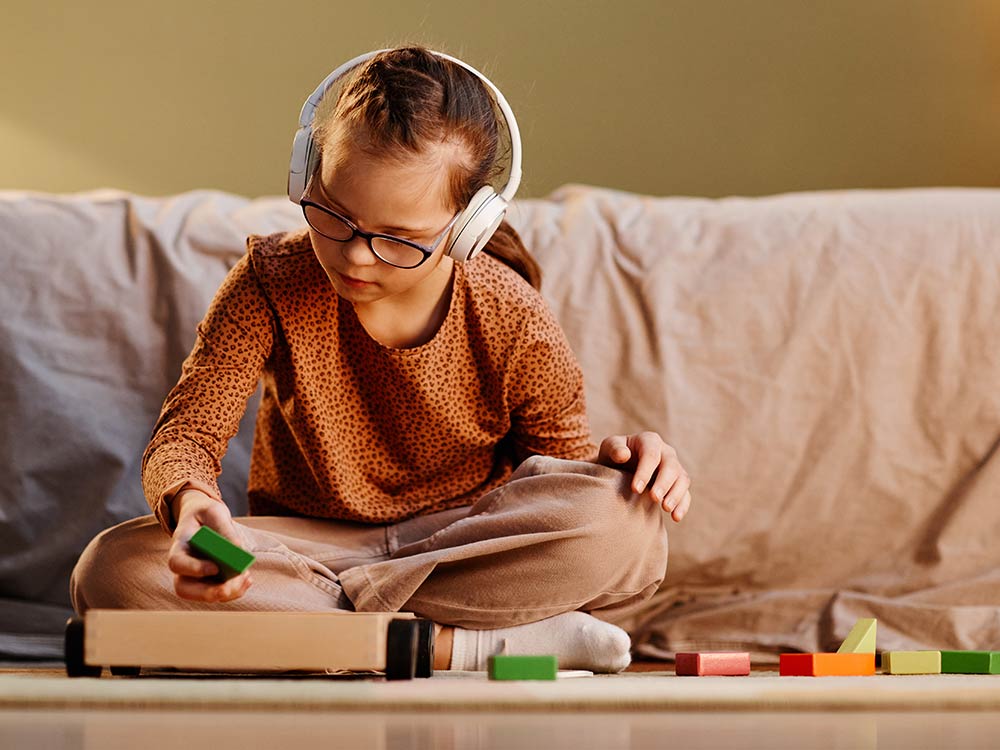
422,442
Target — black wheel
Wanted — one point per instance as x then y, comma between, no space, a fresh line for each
75,665
401,650
125,671
425,648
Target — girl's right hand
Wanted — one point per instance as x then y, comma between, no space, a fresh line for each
194,509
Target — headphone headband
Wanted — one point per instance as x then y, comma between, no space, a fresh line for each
308,113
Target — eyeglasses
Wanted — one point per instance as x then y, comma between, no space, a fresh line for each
392,250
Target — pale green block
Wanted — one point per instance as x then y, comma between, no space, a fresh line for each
861,639
911,662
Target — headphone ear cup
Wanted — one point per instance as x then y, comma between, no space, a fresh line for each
476,224
303,163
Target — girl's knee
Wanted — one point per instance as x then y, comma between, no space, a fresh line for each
620,519
541,465
617,517
588,491
114,560
624,550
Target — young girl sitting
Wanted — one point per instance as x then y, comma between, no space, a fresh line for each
422,442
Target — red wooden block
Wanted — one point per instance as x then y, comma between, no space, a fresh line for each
796,665
701,663
826,665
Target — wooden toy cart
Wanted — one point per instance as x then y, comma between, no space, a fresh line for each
127,641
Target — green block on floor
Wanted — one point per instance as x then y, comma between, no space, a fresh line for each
504,667
232,560
970,662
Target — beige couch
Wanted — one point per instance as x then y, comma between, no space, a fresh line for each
826,364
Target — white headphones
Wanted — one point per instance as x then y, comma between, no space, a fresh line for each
476,223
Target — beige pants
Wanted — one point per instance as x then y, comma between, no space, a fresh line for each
559,536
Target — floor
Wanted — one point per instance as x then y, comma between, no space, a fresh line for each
638,730
215,730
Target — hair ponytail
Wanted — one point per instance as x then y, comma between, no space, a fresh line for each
506,246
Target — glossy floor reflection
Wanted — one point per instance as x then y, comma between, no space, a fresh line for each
220,730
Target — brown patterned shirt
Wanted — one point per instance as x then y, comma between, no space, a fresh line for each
349,428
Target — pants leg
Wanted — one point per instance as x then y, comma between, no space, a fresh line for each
298,559
559,536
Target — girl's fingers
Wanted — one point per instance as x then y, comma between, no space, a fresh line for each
665,484
183,563
221,520
200,590
616,448
650,454
682,507
657,468
679,488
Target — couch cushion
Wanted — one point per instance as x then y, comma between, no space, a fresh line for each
102,292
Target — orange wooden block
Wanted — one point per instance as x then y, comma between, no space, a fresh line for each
826,665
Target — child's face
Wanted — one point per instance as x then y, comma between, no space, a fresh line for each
405,199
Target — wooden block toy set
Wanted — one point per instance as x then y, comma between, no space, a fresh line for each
855,657
397,643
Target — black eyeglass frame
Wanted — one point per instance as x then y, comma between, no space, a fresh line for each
427,250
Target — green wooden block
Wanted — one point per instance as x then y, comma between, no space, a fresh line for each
232,560
970,662
504,667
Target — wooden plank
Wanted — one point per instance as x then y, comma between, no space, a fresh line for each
237,640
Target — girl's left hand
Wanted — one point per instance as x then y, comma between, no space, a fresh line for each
646,454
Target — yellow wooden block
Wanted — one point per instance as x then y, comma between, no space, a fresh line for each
911,662
861,639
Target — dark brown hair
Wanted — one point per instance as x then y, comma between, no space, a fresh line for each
403,101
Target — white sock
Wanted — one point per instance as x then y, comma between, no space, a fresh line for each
578,640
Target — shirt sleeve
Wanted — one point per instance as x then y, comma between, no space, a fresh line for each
546,394
203,410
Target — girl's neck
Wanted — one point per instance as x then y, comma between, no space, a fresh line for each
412,318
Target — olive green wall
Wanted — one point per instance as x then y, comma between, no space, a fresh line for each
694,97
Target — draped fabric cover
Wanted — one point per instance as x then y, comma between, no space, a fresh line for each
826,364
